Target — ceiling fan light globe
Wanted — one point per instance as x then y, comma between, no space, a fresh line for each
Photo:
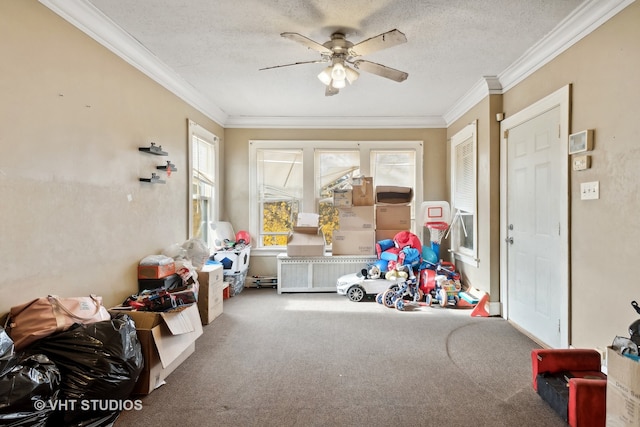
338,84
351,74
338,72
325,76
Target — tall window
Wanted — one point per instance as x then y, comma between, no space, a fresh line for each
288,177
335,169
397,167
463,190
203,185
279,178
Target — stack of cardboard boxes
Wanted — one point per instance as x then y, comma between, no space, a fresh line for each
356,232
393,211
307,238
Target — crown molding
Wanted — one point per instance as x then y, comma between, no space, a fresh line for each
98,26
487,85
581,22
334,122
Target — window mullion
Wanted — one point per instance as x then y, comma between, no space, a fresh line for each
308,180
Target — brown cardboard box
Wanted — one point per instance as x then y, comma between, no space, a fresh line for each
356,218
167,339
389,194
211,279
362,191
156,271
353,242
386,234
623,390
342,198
393,217
305,244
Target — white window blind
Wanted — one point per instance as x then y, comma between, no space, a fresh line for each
465,183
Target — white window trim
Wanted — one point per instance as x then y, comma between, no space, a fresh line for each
468,132
309,148
196,130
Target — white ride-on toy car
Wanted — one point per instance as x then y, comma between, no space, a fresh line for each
356,286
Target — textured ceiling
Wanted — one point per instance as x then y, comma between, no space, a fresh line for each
218,47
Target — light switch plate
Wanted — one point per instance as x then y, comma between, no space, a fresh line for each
590,190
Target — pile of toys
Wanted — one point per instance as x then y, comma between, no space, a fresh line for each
420,277
407,273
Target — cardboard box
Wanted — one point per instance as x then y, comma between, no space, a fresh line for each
386,234
356,218
342,198
623,390
167,339
233,260
307,219
212,286
393,217
156,271
305,244
388,194
362,191
353,242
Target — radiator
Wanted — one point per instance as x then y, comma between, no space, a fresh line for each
318,273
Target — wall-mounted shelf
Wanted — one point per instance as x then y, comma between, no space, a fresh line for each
169,167
155,179
153,149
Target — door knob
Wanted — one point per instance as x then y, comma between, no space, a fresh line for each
509,240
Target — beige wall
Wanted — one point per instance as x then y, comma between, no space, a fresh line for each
603,71
486,276
237,156
72,116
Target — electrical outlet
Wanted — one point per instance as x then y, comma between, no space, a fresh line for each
590,190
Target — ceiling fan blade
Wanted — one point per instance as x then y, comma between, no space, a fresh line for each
379,42
295,63
307,42
380,70
330,90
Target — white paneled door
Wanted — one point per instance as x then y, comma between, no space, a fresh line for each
533,238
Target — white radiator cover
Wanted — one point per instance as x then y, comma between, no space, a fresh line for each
318,273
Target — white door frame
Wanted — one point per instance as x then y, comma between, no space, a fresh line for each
560,98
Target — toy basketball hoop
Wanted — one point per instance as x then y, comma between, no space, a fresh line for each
436,216
437,230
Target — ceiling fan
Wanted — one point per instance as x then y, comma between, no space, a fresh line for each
341,53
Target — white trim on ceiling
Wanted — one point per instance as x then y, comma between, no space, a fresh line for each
582,21
98,26
487,85
335,122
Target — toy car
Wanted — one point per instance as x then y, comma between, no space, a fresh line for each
356,286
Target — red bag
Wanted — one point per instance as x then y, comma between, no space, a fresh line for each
44,316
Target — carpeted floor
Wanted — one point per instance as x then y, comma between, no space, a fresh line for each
318,359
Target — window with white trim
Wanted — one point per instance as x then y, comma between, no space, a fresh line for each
287,177
203,183
464,243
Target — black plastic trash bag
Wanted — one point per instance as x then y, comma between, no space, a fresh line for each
29,386
100,364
